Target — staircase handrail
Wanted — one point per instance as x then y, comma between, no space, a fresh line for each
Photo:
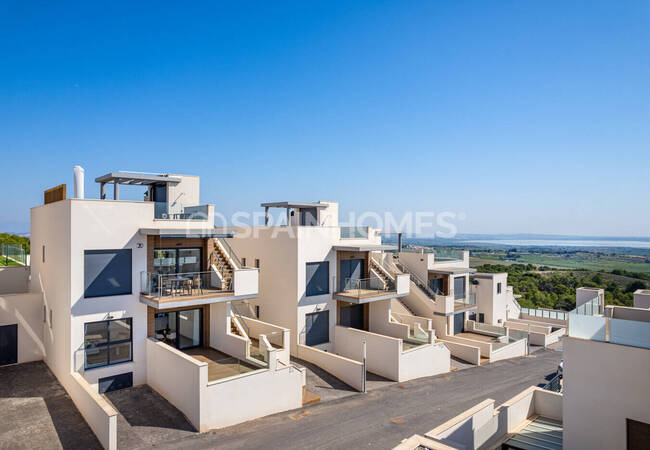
227,249
220,265
383,268
421,284
241,319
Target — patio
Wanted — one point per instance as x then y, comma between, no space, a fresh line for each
220,365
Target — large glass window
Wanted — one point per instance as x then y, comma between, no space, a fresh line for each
107,342
107,272
318,274
176,260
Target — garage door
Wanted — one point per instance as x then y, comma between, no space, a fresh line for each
8,344
459,323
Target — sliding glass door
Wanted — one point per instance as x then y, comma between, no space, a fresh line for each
176,260
180,329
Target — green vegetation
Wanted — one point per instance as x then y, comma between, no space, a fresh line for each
637,261
9,256
546,287
6,238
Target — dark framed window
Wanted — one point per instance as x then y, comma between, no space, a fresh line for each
243,262
257,311
318,274
317,328
498,288
481,318
108,342
107,273
257,263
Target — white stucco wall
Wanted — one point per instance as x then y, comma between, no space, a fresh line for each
488,301
26,311
604,384
14,279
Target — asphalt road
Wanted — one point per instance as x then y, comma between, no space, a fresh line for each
385,416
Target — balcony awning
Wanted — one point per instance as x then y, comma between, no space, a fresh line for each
364,247
187,233
300,205
452,270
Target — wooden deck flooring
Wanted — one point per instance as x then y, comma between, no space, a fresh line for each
220,365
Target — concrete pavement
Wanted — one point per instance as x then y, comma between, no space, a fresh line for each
383,417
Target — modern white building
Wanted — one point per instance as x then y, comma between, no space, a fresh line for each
604,404
642,298
125,293
332,286
468,310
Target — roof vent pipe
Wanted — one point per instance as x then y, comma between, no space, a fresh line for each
78,182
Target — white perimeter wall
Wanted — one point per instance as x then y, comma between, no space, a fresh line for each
25,310
604,384
14,279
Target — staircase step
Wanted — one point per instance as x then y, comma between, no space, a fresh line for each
309,398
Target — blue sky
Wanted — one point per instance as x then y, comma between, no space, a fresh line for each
527,117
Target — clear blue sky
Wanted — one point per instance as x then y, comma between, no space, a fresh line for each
529,117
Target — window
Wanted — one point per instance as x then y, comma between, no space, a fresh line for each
498,288
257,311
317,328
107,272
243,262
107,342
44,314
257,263
318,274
481,318
43,253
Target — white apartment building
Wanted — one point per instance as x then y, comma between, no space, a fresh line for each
604,404
124,293
469,311
332,286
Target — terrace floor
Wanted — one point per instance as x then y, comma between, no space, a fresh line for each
477,337
163,301
358,294
220,365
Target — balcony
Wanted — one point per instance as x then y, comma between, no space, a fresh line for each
178,211
365,290
173,290
354,232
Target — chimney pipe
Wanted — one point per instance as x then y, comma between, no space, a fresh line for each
78,182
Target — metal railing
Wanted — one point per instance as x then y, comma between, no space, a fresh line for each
354,233
358,287
418,281
440,253
231,253
241,319
555,385
13,254
178,284
175,211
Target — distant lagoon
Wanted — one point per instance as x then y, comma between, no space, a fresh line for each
562,243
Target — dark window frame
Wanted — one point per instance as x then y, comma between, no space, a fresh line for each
499,288
99,251
327,313
175,249
481,318
327,279
108,343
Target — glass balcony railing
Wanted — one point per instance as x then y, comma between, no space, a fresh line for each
13,255
467,299
361,288
441,253
176,211
354,232
162,286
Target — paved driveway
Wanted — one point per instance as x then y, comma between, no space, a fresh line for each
385,416
37,413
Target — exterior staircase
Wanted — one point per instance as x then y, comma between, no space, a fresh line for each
387,278
222,264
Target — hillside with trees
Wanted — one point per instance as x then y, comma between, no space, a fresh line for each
544,287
